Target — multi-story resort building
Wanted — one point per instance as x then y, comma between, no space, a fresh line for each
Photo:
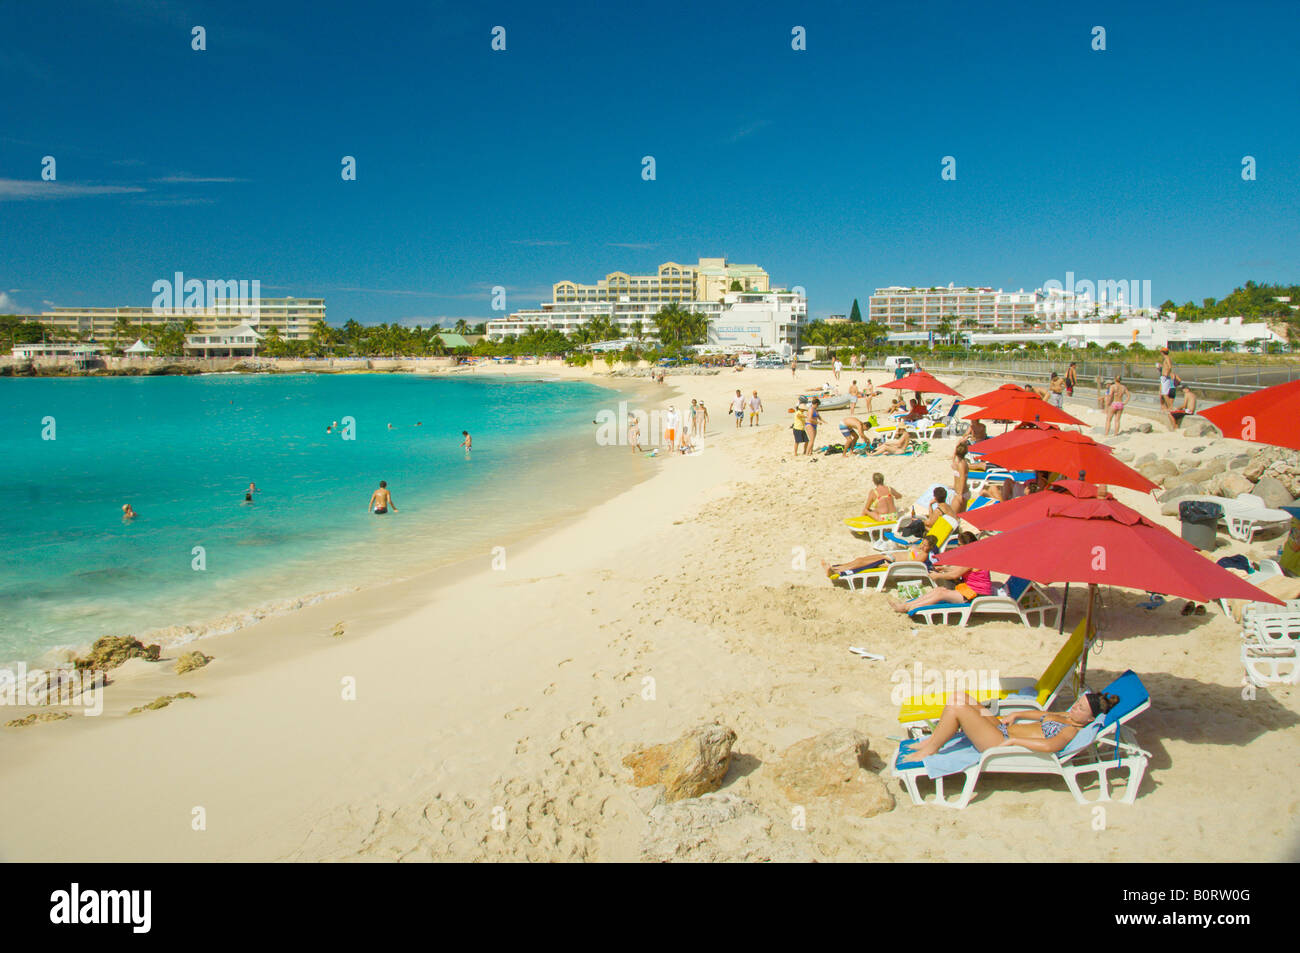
759,314
293,318
992,310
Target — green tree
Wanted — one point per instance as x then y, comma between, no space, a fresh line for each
855,313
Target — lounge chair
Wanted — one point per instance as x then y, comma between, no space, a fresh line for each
879,577
890,541
1247,515
977,480
1025,599
1010,693
873,527
1080,759
1271,643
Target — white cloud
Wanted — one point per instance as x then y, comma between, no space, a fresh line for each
184,178
9,306
18,190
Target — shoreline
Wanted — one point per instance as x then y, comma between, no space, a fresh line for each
178,634
522,689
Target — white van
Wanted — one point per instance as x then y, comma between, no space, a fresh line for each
894,364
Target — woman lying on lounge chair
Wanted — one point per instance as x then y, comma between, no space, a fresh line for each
898,443
970,583
1035,730
921,553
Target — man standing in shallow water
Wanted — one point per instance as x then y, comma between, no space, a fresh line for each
381,501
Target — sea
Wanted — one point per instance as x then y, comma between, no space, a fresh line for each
198,559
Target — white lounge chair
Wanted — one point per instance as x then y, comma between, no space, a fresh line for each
879,577
1271,643
1247,515
1024,599
1082,758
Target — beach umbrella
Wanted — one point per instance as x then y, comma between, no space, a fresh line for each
1268,416
923,382
1070,453
1100,541
1000,517
1014,438
1026,407
995,395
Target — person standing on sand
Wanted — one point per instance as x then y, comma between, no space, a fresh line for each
854,394
1071,378
468,442
799,427
755,408
1056,391
738,408
836,368
1116,398
870,394
634,433
670,427
1166,381
704,420
693,421
794,366
381,501
814,421
961,469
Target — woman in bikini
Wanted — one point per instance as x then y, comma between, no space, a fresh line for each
970,584
881,501
922,552
1036,730
896,444
1116,398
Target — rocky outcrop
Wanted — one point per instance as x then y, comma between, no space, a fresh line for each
1199,427
190,661
112,650
1158,470
162,701
693,765
833,766
1272,492
36,718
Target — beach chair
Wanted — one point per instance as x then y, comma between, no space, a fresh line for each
874,528
879,577
1024,599
1268,568
1096,750
942,530
1270,643
977,480
1247,515
1010,693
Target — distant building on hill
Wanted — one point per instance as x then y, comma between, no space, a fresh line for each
292,317
756,315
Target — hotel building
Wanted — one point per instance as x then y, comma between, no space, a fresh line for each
758,313
292,317
926,308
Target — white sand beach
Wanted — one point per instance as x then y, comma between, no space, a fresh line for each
493,706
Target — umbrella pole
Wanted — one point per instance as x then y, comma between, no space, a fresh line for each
1065,603
1087,642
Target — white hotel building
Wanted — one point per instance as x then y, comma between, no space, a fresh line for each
292,317
989,309
757,316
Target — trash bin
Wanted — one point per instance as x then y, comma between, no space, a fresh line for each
1200,520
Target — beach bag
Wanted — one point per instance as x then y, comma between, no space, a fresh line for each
872,422
913,528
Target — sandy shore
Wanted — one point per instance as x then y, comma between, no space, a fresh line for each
507,697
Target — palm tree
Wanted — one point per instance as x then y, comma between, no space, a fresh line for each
462,327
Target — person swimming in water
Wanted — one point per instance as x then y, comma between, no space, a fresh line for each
381,500
127,512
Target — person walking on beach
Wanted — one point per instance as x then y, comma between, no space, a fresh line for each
755,408
1071,378
693,421
633,433
1166,381
738,408
1056,391
381,501
1116,398
836,368
468,442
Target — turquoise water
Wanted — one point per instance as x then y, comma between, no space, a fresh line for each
182,452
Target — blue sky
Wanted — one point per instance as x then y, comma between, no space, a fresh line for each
519,168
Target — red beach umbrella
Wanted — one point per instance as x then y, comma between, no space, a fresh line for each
1103,542
923,382
1027,407
1071,454
1000,517
1271,415
995,395
1014,438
